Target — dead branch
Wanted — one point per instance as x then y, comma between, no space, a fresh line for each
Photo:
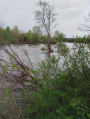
2,116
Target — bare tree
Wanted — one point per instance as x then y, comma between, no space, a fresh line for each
45,17
86,25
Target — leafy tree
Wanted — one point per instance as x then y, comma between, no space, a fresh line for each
1,29
61,36
56,34
8,29
15,31
37,31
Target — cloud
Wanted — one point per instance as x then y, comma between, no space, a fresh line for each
20,12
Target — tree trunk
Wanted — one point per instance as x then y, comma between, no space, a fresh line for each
49,45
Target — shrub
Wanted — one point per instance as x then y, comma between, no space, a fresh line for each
62,94
62,48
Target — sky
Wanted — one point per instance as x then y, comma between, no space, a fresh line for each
21,13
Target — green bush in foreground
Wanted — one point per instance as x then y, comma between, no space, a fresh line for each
62,93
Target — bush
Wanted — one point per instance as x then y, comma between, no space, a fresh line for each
62,48
62,94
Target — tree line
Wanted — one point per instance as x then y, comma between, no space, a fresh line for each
42,33
15,36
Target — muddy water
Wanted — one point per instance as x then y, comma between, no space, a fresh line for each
34,52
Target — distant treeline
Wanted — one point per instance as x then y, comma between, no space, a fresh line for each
77,39
15,36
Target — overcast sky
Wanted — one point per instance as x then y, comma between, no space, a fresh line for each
70,14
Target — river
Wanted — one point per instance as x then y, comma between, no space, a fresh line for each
34,52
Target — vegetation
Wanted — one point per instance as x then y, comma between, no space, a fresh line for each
62,93
15,36
62,48
55,91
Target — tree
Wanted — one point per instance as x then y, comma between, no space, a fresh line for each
1,32
30,32
1,28
56,34
86,25
15,31
45,17
62,36
7,29
37,31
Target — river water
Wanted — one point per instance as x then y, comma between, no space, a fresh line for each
35,54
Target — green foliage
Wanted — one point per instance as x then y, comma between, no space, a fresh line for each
9,92
62,48
62,94
84,39
88,45
14,36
